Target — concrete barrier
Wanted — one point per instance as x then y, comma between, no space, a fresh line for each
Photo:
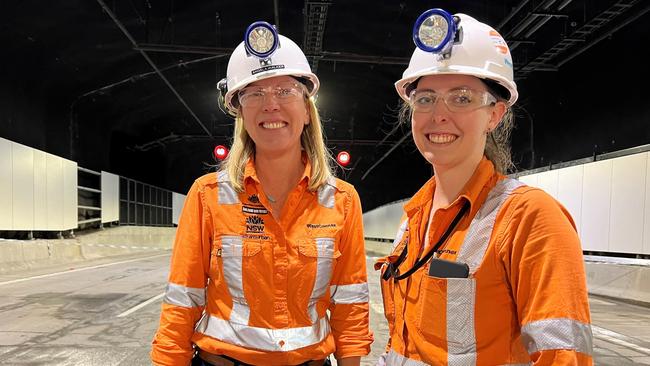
627,281
20,255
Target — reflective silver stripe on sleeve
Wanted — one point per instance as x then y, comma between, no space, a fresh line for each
231,252
461,339
227,194
325,248
349,294
187,297
478,236
400,233
395,359
265,339
326,193
551,334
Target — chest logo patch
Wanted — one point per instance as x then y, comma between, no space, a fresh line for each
254,225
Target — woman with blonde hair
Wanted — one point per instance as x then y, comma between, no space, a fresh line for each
273,242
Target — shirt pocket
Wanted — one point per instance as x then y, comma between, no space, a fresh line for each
446,313
229,258
318,258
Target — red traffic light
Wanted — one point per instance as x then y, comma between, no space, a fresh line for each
220,152
343,158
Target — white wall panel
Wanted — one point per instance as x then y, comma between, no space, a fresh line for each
70,195
628,199
646,215
23,186
596,197
6,199
530,180
569,191
178,200
547,181
54,167
40,190
110,197
383,221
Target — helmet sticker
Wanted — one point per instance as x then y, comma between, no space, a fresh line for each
267,68
499,43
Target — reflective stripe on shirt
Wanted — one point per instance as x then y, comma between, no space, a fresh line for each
227,194
549,334
400,233
395,359
265,339
326,193
231,251
187,297
461,293
325,248
349,294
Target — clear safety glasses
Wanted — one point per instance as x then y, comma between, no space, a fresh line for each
457,100
254,96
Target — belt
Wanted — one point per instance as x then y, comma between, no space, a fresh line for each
220,360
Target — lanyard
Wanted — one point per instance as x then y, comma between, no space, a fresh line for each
393,268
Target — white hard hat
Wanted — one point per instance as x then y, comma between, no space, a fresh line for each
477,50
245,67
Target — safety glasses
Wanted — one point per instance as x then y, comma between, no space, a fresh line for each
457,100
287,92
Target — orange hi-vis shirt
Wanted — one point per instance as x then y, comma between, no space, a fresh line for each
525,300
249,287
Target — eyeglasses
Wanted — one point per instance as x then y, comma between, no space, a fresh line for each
457,100
254,96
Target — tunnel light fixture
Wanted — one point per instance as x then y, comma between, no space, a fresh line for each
220,152
343,158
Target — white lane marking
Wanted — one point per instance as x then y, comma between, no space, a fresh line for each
613,337
600,302
78,270
139,306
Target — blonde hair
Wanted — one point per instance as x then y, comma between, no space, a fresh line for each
311,139
497,142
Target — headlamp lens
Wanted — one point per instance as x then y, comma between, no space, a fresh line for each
261,39
433,31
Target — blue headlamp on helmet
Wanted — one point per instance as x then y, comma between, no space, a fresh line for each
261,39
434,31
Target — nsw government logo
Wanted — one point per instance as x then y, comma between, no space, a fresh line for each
254,225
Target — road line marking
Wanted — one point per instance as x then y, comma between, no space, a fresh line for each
137,307
600,302
613,337
77,270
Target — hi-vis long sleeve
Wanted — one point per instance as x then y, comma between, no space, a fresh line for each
525,299
247,286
